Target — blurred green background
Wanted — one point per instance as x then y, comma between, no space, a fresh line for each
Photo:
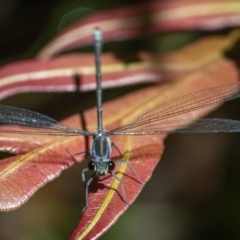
194,192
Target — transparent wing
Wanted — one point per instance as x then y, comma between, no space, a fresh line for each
22,121
155,120
209,125
206,125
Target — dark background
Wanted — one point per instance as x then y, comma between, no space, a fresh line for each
194,191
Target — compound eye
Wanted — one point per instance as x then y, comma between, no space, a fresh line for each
91,165
111,166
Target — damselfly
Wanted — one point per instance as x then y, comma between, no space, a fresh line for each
156,121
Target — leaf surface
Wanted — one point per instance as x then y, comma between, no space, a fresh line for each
73,72
105,198
22,175
146,19
41,159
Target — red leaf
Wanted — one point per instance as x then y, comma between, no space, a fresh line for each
203,67
106,205
59,74
21,176
146,19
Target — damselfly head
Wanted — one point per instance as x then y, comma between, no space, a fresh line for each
101,168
